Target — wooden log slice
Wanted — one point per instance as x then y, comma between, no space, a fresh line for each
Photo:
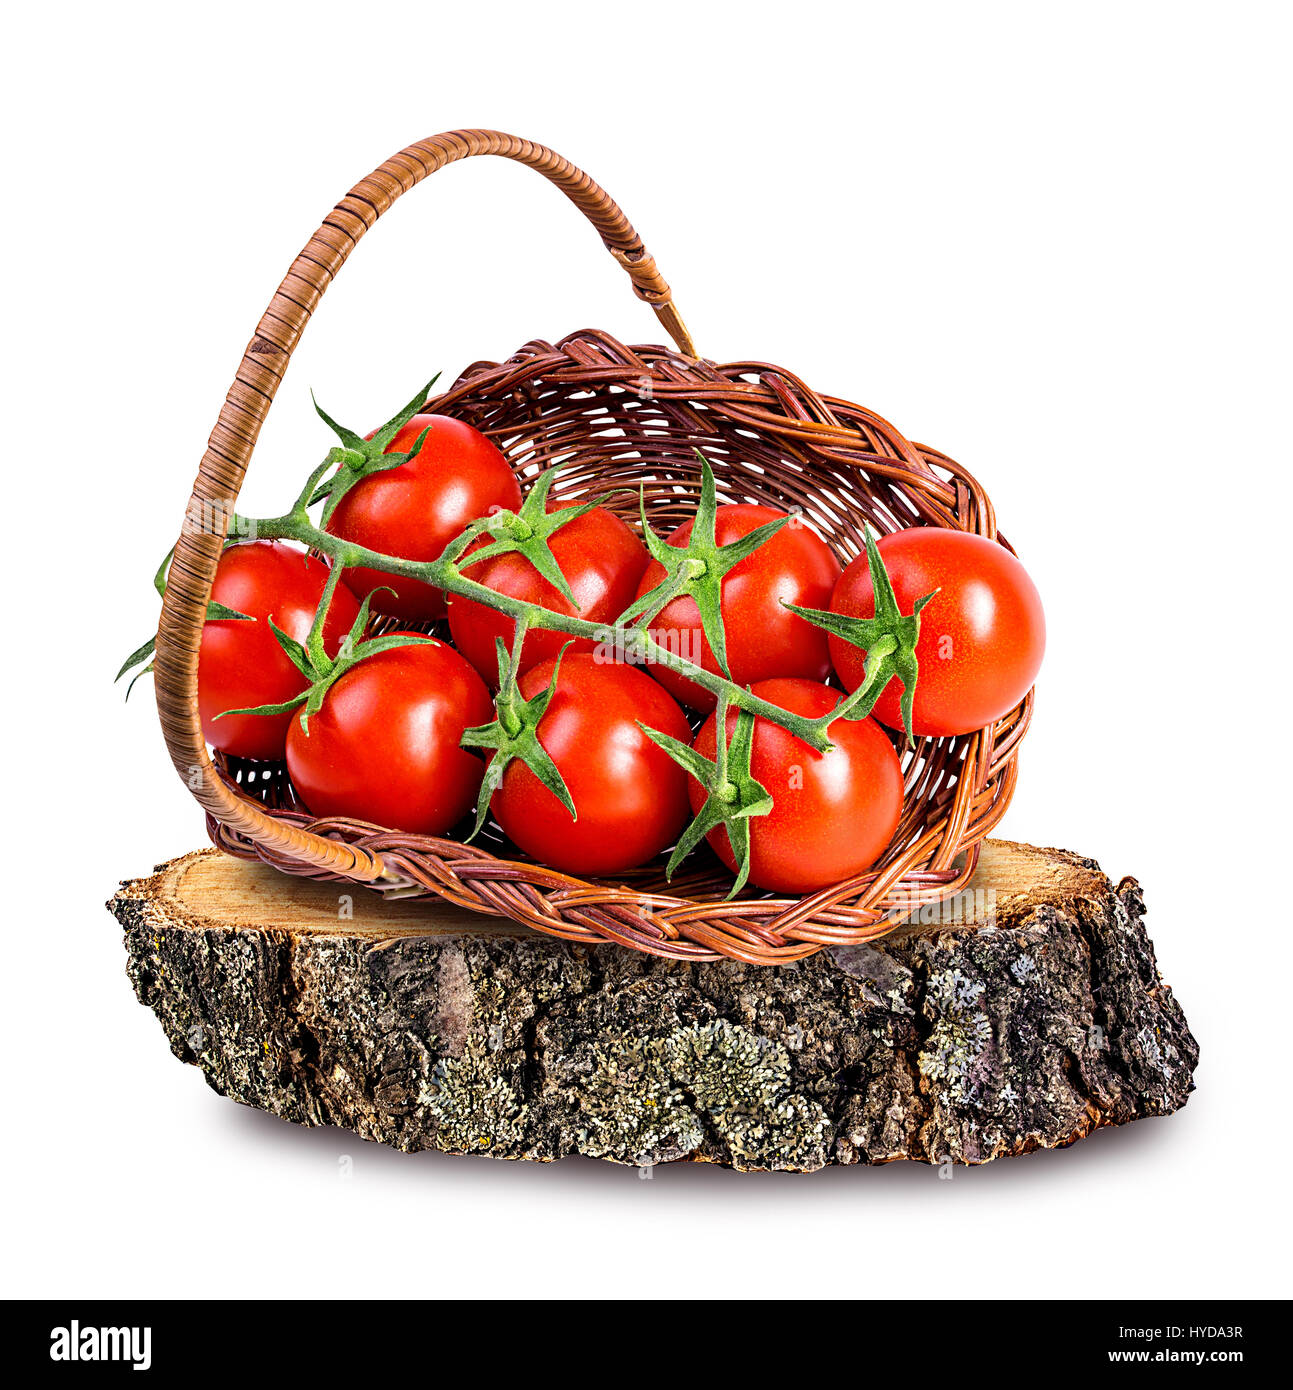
1034,1020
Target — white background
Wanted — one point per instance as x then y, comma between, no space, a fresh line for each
1051,241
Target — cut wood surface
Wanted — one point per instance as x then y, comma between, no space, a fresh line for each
1030,1015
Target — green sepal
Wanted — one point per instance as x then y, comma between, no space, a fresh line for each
159,579
889,640
358,458
216,612
321,671
220,613
515,732
141,653
697,569
526,533
733,795
296,652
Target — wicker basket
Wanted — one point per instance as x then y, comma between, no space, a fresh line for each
611,416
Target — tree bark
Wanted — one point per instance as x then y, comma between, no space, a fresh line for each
1038,1018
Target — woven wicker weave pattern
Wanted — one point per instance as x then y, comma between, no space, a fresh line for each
613,418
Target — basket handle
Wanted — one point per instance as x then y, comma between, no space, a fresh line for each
229,450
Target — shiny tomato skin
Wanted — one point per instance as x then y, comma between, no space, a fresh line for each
764,640
602,561
833,813
631,797
415,510
384,746
982,636
241,664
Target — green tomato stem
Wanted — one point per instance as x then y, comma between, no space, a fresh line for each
314,640
445,574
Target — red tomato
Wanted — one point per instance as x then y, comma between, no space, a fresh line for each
384,745
763,639
240,664
833,813
981,637
415,510
602,561
631,797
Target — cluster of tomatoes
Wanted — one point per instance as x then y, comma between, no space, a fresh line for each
390,740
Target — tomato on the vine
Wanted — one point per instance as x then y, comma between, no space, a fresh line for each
763,639
384,745
413,511
240,663
833,813
630,797
982,635
602,561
